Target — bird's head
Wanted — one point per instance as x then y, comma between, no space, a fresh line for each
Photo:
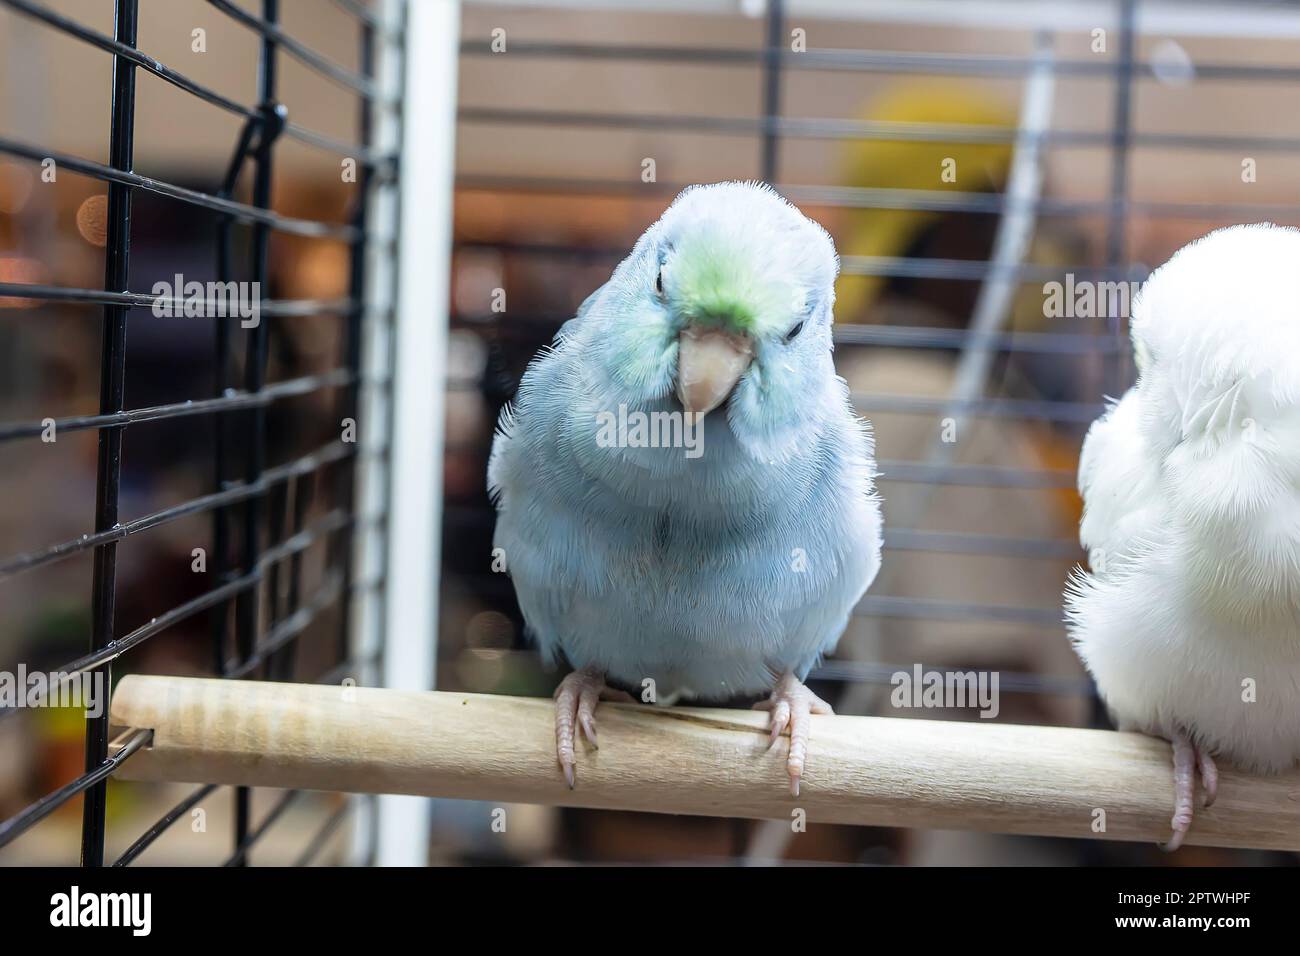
725,304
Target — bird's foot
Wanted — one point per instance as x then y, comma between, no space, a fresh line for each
575,707
790,705
1189,760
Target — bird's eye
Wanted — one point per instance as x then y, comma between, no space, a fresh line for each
793,333
659,281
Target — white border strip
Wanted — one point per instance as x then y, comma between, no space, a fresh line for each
1154,17
424,256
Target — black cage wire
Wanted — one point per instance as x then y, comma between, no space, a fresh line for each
266,514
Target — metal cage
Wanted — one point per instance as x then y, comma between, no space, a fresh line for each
264,592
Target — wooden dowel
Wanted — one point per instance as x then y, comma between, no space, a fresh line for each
875,771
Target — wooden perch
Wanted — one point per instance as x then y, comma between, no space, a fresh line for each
876,771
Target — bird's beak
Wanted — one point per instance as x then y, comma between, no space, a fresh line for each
709,363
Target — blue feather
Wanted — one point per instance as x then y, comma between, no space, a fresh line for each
707,575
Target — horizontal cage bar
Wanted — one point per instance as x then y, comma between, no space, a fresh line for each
285,631
1048,410
210,307
232,400
354,81
151,65
235,492
876,61
797,127
236,210
27,818
987,476
287,548
879,605
866,197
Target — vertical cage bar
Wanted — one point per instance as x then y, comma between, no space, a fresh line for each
349,397
112,387
283,664
772,62
246,605
370,543
222,572
220,558
1117,221
277,521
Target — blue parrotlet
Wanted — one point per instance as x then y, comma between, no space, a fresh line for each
686,497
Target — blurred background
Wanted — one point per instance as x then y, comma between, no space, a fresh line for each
1084,139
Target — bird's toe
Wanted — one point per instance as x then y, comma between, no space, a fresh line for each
565,713
791,706
1180,825
1209,776
587,699
794,762
1184,755
575,714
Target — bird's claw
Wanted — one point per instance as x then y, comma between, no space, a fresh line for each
791,705
1189,761
1209,776
575,711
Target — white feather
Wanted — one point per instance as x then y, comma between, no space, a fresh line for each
1190,618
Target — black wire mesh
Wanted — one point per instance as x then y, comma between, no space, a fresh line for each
265,516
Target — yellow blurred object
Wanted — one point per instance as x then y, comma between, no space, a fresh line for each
915,164
62,734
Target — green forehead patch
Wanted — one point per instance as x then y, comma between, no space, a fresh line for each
721,280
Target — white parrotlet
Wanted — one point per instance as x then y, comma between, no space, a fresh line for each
722,569
1190,618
